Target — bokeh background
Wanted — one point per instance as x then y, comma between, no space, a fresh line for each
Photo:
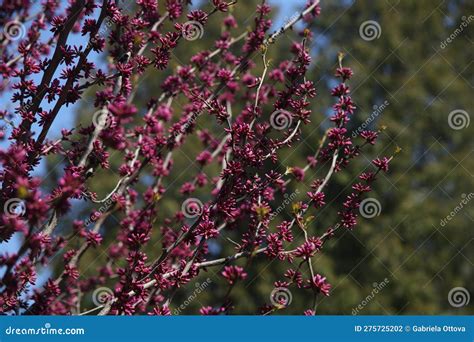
408,79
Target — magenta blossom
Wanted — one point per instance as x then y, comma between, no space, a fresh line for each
157,188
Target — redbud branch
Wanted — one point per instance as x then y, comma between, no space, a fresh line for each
82,59
291,22
76,10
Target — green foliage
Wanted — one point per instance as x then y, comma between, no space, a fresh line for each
422,83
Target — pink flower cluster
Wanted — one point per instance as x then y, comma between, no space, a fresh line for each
259,109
